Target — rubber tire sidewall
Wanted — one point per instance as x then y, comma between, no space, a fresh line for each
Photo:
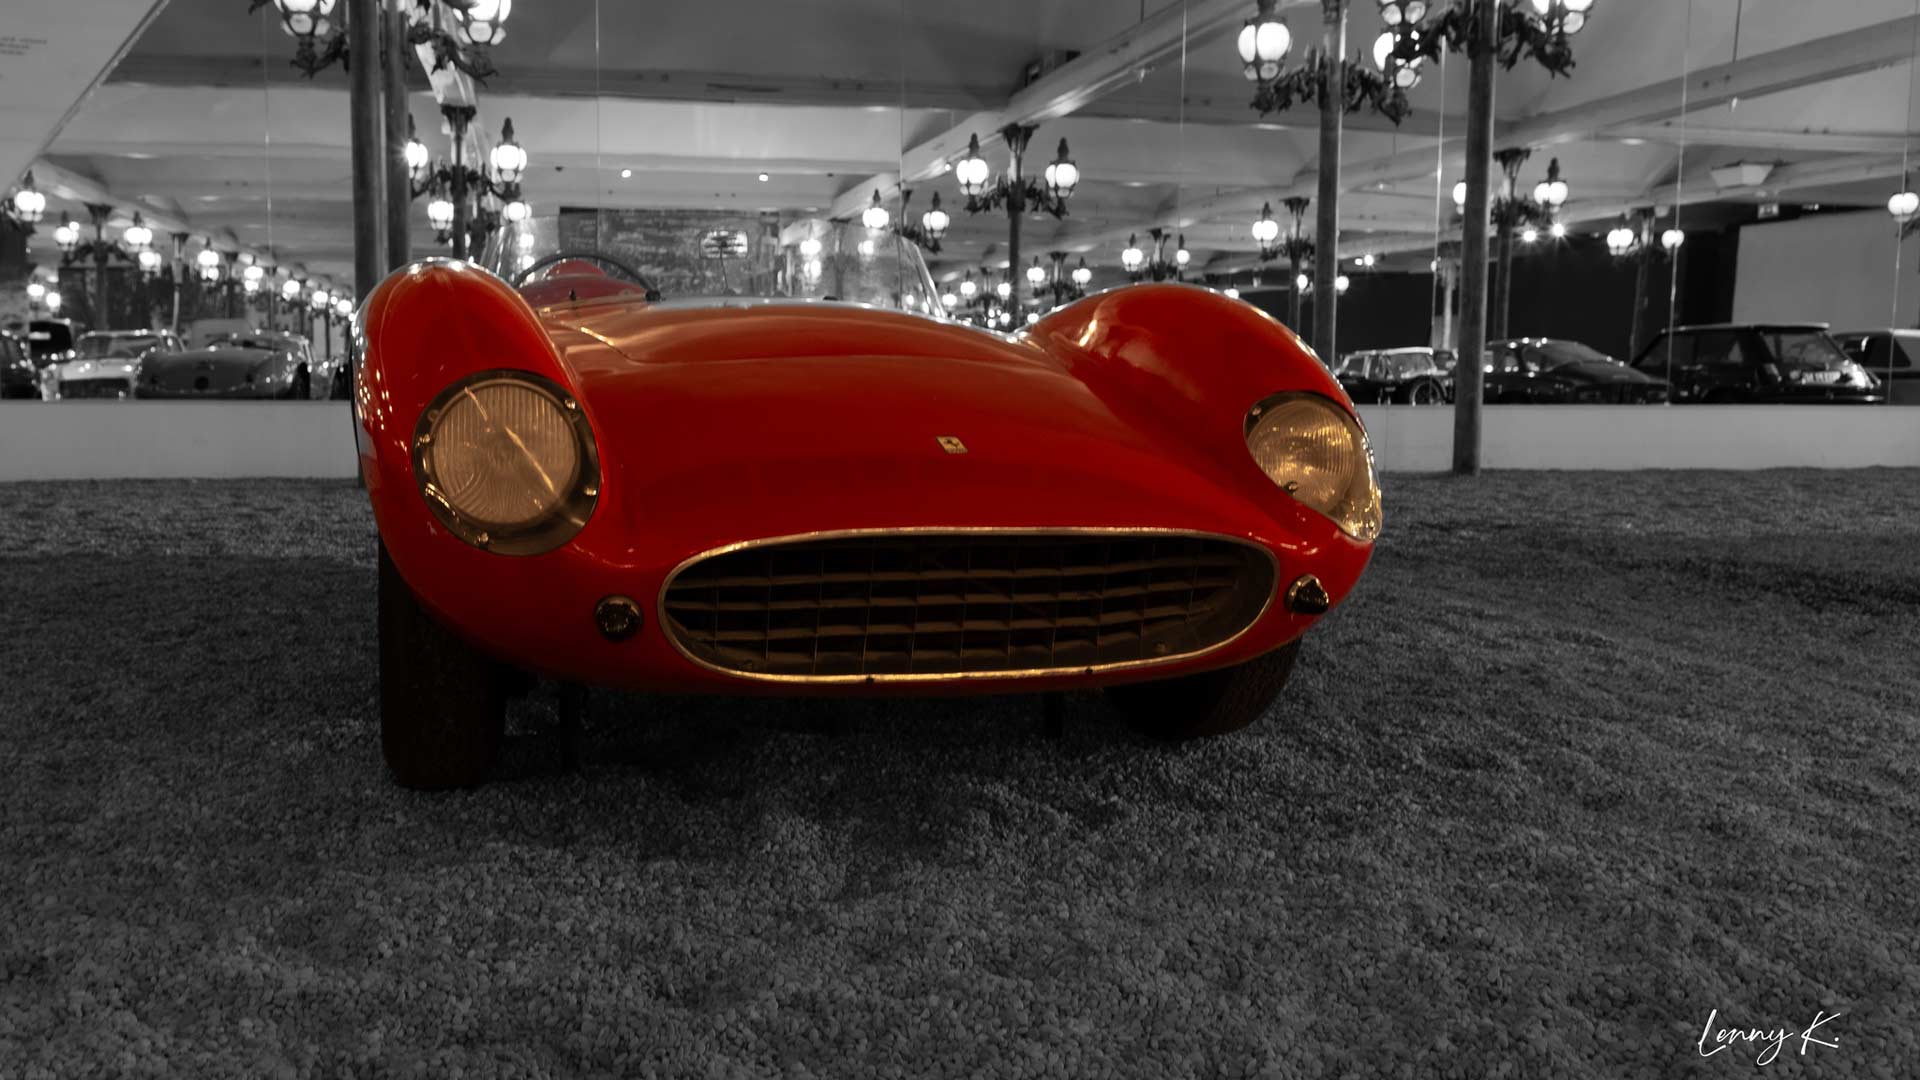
442,710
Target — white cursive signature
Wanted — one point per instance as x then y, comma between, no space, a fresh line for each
1769,1039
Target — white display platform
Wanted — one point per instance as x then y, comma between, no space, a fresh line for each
89,440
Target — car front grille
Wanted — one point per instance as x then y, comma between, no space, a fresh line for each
96,388
929,604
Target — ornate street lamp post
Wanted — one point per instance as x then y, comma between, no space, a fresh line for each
451,211
1296,245
1015,192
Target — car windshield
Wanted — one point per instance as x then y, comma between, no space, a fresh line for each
244,341
1805,350
114,346
1405,365
693,254
1554,354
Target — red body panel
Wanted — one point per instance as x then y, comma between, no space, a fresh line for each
718,425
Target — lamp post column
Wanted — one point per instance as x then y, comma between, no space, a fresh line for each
368,142
399,191
1469,379
1016,136
1333,101
99,213
459,117
1643,259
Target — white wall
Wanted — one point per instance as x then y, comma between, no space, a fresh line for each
1830,268
207,440
91,440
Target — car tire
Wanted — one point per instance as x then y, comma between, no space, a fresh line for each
1423,392
1210,703
442,703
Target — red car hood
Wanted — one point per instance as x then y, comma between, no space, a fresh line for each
809,417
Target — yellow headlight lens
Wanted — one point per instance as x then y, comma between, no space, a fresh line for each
507,463
1318,454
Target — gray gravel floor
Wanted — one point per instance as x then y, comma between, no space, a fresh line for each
1588,757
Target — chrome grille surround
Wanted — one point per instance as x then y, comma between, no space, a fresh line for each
940,604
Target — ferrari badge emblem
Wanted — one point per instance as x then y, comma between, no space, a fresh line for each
951,444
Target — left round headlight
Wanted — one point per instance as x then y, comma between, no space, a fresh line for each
506,461
1316,451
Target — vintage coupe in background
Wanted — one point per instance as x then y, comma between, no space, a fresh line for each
1552,371
1414,375
783,471
238,364
106,363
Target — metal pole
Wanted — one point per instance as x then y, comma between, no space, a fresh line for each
1503,284
1293,292
399,185
459,116
1326,259
369,175
1016,136
1643,257
102,320
1468,377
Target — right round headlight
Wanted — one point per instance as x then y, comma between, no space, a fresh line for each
1318,454
507,463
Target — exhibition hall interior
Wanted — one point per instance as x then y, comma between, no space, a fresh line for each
1004,537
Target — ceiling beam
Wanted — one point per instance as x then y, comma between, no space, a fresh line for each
1816,142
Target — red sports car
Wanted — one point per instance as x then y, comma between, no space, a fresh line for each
770,464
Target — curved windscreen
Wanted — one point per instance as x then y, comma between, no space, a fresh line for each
694,253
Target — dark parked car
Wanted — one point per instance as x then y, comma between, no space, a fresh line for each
1549,371
1411,376
1782,363
1892,356
49,341
18,376
250,364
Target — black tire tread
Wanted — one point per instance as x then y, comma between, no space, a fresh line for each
442,706
1210,703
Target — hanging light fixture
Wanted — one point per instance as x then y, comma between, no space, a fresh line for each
972,171
1036,274
1266,231
36,291
28,203
320,299
416,154
137,236
1460,195
486,21
875,216
1558,230
1062,174
1904,204
509,158
1563,16
1672,239
1342,283
1005,288
440,213
290,289
1529,234
343,307
1181,256
1302,283
1620,239
968,287
516,211
53,301
1264,43
1082,275
1132,259
305,18
149,262
935,220
67,237
1551,192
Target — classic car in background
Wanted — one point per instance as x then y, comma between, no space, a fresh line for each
1891,356
48,341
203,332
1155,490
19,376
245,364
1781,363
106,363
1551,371
1416,375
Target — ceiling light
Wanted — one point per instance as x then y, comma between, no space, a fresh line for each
764,178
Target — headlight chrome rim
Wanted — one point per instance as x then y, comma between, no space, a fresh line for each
1365,523
560,523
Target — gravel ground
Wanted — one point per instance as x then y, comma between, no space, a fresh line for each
1588,758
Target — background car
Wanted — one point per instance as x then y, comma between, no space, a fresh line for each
19,378
204,332
48,340
106,363
1779,363
1411,376
1888,355
250,364
1552,371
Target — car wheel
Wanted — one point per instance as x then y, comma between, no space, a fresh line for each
302,387
1210,703
1423,392
442,705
